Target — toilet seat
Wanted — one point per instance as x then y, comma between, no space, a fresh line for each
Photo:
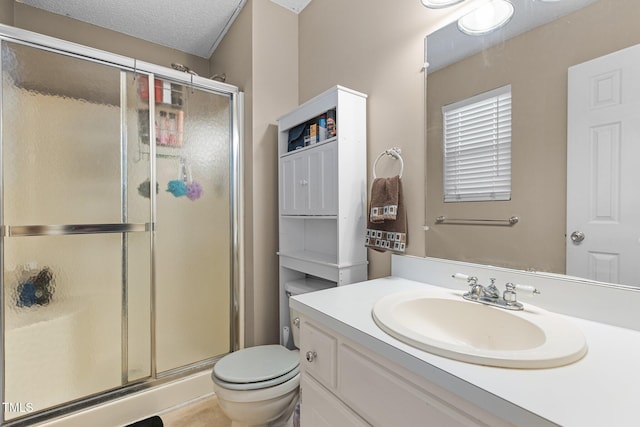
256,367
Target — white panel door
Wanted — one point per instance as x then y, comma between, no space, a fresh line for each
603,168
320,408
323,180
294,184
309,181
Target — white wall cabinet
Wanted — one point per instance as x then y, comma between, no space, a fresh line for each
322,198
309,184
347,385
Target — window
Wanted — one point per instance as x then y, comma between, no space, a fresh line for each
477,147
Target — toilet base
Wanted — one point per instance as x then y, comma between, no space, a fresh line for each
284,421
271,407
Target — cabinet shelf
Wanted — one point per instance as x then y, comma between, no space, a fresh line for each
163,151
320,259
309,147
312,257
307,284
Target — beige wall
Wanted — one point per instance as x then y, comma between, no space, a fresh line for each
535,64
260,55
375,47
6,12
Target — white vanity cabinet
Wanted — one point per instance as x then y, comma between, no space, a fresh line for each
322,197
345,385
324,409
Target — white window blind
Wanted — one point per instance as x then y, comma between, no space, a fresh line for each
477,147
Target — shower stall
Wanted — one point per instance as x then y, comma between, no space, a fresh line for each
119,205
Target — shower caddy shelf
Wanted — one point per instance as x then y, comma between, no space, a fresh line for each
173,108
322,196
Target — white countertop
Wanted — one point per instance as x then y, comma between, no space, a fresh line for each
601,389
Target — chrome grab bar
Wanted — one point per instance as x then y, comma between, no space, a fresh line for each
510,221
68,229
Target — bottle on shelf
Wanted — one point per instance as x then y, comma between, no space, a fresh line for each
158,90
143,87
331,123
322,128
172,131
162,137
313,133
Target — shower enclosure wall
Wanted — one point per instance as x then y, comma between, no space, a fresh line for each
119,211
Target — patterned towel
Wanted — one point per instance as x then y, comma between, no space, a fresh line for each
387,221
384,199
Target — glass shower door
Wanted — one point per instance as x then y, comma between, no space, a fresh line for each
76,245
193,230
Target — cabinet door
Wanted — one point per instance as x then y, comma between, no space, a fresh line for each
320,408
322,347
294,184
309,181
323,180
383,397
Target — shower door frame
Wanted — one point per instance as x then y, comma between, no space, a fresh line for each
236,99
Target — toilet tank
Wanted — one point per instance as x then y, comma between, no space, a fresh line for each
295,326
302,286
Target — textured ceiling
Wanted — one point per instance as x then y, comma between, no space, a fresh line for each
192,26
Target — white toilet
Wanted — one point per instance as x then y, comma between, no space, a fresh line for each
258,386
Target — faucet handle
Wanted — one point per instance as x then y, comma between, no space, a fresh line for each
528,290
475,289
510,296
472,280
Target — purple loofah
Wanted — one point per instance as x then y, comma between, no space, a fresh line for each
194,190
177,188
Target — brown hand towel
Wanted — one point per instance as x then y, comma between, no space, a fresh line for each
384,199
387,230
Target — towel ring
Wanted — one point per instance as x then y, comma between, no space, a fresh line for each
394,153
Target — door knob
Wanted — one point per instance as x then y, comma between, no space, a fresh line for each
577,236
311,356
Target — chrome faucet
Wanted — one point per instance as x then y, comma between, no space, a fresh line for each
490,295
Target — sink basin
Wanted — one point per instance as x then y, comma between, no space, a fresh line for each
442,323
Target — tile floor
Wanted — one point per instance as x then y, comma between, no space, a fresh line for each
201,413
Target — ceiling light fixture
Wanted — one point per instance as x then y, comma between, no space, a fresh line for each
486,18
439,4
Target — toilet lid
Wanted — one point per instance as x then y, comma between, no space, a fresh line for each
256,364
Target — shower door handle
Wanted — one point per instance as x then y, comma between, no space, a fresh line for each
68,229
